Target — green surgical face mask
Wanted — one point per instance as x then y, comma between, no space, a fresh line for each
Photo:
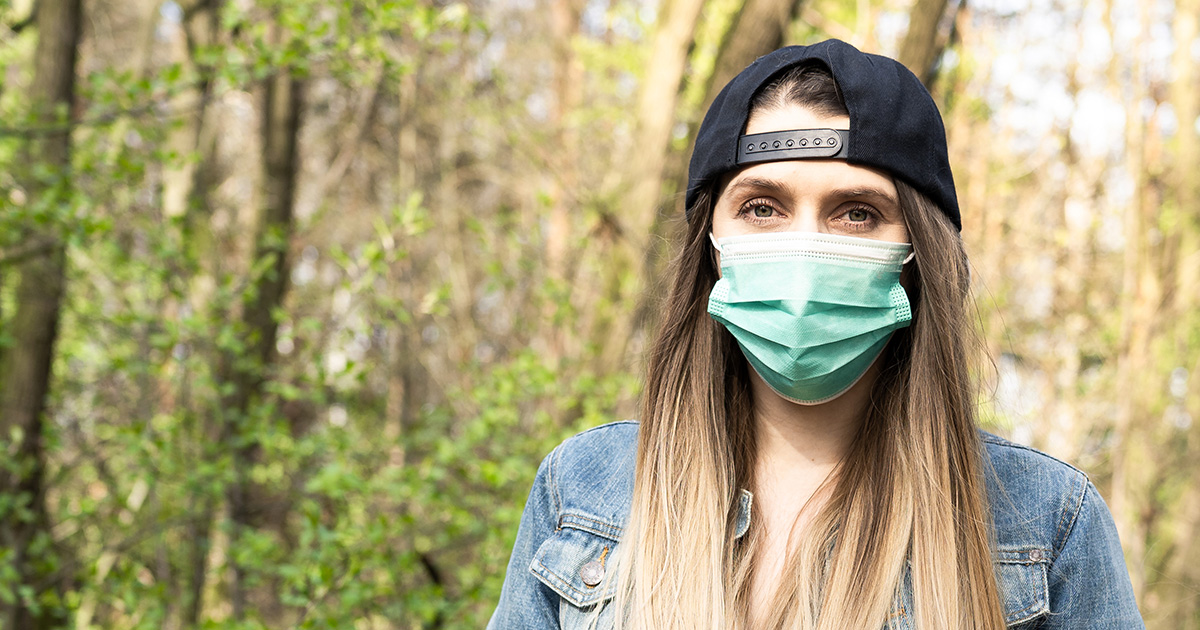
810,311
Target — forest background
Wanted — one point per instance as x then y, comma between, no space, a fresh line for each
294,295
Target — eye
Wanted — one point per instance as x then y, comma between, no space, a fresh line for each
858,215
762,211
759,210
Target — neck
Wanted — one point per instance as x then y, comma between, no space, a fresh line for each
799,446
791,433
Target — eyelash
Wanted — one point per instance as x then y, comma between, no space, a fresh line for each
745,212
861,226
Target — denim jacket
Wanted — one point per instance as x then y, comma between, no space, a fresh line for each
1058,560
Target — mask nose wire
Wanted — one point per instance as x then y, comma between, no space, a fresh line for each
714,241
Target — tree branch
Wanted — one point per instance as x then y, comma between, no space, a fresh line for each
30,248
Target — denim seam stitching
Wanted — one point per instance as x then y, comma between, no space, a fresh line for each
554,455
1062,534
984,436
601,528
607,425
564,588
555,582
1020,560
1036,607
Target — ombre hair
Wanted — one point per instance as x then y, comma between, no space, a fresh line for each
909,491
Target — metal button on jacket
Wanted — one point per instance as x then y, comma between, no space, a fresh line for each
592,573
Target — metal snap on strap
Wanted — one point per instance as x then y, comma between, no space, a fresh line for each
793,144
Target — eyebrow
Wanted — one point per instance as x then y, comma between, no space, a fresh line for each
753,182
866,192
860,192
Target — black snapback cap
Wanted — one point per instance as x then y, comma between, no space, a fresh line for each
894,124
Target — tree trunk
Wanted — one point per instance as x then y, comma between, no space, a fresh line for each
923,44
1186,101
25,367
755,31
564,187
1182,565
1133,462
644,171
187,190
281,115
656,116
568,94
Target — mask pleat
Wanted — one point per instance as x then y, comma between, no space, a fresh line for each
810,324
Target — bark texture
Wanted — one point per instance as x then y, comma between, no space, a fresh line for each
923,43
756,30
1141,323
656,116
282,100
644,172
25,368
1182,607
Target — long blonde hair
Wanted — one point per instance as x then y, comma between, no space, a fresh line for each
911,489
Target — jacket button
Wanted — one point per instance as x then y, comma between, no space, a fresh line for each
592,573
1036,555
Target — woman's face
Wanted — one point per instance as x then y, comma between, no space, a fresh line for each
826,196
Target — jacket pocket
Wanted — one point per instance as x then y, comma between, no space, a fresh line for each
1024,589
577,561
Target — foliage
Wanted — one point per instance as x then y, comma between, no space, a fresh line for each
440,333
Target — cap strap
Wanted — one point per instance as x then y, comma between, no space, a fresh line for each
793,145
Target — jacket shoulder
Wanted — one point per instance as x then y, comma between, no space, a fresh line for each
1059,555
1003,452
1035,498
591,475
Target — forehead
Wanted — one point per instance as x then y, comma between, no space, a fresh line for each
793,117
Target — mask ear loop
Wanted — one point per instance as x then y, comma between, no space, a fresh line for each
714,242
911,256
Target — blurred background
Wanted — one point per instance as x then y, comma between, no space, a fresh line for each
296,294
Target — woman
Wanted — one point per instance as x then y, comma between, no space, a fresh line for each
807,455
